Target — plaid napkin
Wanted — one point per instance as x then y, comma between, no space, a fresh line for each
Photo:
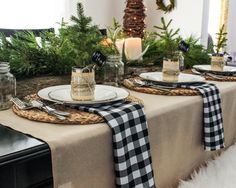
132,157
213,132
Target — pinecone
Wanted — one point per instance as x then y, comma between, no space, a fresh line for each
134,18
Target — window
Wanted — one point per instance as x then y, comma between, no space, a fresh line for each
218,15
30,14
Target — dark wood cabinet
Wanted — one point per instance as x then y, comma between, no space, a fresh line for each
24,161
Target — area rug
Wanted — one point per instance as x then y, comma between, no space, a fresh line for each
219,173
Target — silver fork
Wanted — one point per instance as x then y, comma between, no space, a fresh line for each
21,104
40,104
34,104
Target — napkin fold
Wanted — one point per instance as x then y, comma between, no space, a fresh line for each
213,131
131,148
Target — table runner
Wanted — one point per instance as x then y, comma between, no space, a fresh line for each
131,148
213,131
82,155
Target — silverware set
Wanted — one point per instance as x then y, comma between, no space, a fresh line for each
215,76
143,83
26,105
167,88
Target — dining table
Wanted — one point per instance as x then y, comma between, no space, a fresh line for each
24,161
82,155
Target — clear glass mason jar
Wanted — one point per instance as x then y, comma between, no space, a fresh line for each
217,63
82,84
113,71
181,61
7,86
171,68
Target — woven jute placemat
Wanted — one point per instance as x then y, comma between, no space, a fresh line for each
128,83
76,116
224,79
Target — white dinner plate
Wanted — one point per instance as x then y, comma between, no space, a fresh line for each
227,69
183,78
100,94
103,94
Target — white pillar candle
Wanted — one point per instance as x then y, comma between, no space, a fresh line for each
119,45
133,48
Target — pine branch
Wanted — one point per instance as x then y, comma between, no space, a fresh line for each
168,36
157,27
221,40
81,22
168,23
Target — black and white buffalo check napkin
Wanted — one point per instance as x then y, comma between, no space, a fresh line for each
213,131
133,163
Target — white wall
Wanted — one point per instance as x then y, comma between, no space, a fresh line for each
153,15
27,14
188,17
101,11
188,14
232,27
214,18
118,7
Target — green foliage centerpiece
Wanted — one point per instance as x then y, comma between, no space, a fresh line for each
75,43
55,53
217,60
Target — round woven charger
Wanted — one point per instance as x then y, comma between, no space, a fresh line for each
171,92
76,116
225,79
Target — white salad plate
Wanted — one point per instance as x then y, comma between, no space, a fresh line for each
103,94
227,69
183,78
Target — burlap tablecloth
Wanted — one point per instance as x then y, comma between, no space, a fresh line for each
82,154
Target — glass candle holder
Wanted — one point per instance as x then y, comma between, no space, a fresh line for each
113,71
217,63
170,71
7,86
82,84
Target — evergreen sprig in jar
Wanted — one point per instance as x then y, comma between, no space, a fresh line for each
7,86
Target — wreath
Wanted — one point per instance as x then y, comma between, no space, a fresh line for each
167,8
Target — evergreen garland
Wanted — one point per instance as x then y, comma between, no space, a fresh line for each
166,8
56,53
74,44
